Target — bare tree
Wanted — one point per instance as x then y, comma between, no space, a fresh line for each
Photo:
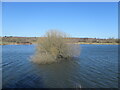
53,48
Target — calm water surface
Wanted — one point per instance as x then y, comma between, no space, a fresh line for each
97,67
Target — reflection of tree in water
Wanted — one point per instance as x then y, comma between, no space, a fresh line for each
61,75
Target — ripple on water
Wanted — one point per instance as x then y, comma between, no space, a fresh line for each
96,67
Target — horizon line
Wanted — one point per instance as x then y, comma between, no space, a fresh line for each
66,37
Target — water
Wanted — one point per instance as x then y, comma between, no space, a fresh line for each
97,67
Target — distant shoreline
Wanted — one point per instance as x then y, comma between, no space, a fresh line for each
67,43
100,43
71,40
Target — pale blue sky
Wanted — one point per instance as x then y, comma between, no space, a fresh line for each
83,19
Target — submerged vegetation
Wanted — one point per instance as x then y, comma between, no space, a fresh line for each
53,48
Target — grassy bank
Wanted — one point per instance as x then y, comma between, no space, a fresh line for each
11,43
98,43
33,40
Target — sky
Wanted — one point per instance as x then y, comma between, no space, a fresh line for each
78,19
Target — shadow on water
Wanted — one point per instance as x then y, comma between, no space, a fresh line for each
60,74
